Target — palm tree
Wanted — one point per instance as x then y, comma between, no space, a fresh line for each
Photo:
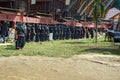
98,12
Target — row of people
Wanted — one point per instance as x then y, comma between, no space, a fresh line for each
35,32
38,33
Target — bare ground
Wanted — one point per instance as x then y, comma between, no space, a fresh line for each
78,67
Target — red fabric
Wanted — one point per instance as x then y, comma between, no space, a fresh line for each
79,24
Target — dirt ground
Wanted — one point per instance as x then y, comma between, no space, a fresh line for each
78,67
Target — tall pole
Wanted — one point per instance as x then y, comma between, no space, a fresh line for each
11,4
53,11
29,2
96,33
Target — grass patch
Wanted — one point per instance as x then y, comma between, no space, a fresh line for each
61,48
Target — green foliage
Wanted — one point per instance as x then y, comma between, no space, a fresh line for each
98,10
63,48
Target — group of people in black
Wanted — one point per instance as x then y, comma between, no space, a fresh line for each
40,32
4,31
26,32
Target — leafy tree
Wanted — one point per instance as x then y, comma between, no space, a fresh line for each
98,12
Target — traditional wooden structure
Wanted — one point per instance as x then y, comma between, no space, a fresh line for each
48,7
85,7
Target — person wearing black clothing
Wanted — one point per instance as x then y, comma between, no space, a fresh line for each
20,35
64,32
80,34
4,32
37,31
67,33
46,33
58,30
91,32
28,33
72,32
61,33
42,33
86,32
83,32
33,33
51,30
55,33
75,33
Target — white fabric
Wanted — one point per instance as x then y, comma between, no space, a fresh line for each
51,36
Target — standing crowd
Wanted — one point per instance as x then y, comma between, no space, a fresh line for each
42,32
25,32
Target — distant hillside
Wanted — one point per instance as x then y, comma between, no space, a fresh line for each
117,4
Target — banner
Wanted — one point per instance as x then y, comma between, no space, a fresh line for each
67,2
33,1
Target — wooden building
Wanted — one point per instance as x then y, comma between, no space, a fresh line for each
42,6
14,4
57,8
85,7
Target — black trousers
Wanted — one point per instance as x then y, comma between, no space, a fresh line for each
28,38
20,43
37,38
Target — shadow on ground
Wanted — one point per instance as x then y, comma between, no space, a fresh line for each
113,51
75,42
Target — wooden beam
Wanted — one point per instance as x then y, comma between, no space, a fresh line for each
81,4
71,5
86,7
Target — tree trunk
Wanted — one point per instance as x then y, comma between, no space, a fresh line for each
96,33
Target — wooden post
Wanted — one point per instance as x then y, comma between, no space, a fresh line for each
29,2
96,33
22,16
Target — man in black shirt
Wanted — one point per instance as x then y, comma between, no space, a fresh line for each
28,33
20,35
4,32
